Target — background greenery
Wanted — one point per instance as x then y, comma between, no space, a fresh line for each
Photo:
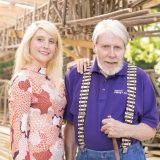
145,52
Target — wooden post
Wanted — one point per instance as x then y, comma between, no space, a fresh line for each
64,13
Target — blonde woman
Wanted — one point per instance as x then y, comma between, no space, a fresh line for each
36,97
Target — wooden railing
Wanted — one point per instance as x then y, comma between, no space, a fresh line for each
76,19
4,111
5,151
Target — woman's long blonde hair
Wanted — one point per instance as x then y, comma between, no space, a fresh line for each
23,56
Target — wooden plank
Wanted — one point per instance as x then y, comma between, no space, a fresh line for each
69,53
151,4
48,10
78,43
64,13
100,17
125,3
135,14
142,33
154,152
19,33
154,145
140,22
138,3
153,158
57,12
152,77
145,16
88,8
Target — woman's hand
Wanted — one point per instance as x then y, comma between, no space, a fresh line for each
81,65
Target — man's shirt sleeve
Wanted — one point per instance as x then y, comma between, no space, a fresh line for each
67,114
150,109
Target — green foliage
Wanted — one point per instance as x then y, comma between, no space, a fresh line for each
4,65
143,52
156,8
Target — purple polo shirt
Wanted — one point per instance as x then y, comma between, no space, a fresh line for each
107,96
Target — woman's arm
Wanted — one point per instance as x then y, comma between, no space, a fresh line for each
81,65
19,104
69,141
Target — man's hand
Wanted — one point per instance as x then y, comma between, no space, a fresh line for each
113,128
117,129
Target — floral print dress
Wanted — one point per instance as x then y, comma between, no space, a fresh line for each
36,116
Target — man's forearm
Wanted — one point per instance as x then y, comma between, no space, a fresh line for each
139,131
69,141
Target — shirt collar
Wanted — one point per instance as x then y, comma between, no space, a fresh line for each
41,70
123,71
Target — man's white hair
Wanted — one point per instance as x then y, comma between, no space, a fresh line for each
115,26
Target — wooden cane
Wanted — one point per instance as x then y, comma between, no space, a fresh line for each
116,151
115,146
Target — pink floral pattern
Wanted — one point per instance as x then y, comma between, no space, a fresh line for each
36,116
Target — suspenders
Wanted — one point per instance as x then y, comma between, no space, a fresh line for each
131,96
129,113
83,105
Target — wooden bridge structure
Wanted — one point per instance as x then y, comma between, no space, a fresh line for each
76,20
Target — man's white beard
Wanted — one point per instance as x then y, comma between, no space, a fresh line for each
107,72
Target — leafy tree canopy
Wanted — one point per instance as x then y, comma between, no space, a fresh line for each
145,52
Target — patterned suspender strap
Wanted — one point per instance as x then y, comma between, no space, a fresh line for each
131,96
83,105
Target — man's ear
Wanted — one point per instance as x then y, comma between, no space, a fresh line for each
94,48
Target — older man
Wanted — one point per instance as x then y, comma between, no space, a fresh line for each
112,100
